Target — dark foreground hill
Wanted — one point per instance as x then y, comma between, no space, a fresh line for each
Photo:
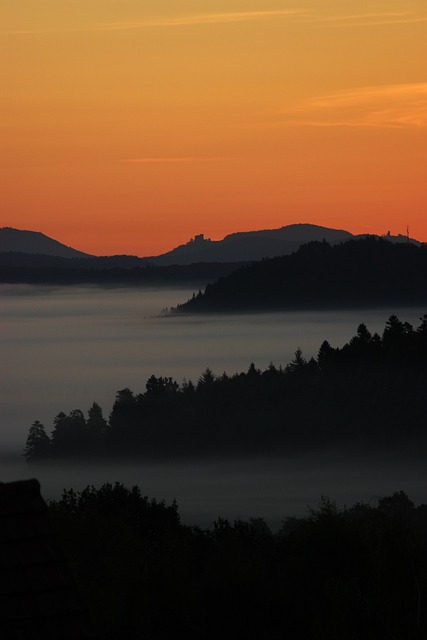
370,272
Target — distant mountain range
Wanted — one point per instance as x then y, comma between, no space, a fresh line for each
313,266
248,246
245,246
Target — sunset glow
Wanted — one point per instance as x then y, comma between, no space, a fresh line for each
129,126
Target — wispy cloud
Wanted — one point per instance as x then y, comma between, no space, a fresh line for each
18,32
168,159
384,106
203,19
370,19
301,15
367,94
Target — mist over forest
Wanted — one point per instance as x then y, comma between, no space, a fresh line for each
367,395
241,456
241,451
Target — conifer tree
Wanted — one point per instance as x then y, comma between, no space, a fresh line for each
38,442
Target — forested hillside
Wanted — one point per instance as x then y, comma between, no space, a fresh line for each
369,394
370,272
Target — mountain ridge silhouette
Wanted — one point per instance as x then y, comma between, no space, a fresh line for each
35,242
240,246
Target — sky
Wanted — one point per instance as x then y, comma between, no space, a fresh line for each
129,126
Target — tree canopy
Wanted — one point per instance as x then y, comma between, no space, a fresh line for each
351,572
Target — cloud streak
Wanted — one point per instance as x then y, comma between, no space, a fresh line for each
384,106
203,19
167,159
301,16
370,19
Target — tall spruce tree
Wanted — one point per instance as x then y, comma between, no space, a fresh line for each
38,442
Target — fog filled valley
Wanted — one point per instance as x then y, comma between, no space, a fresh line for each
66,348
213,321
201,539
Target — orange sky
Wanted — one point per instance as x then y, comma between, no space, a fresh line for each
128,126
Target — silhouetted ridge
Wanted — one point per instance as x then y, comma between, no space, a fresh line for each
105,270
238,247
247,246
369,272
35,242
197,262
368,394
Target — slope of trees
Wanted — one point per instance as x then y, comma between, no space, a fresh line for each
370,272
369,394
356,572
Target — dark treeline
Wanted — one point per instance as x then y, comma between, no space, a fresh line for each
358,572
41,261
370,272
369,394
127,270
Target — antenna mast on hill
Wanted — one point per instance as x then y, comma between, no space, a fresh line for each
407,232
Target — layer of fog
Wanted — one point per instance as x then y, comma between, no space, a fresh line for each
64,348
272,489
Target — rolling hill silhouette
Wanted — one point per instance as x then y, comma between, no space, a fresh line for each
246,246
243,246
34,242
